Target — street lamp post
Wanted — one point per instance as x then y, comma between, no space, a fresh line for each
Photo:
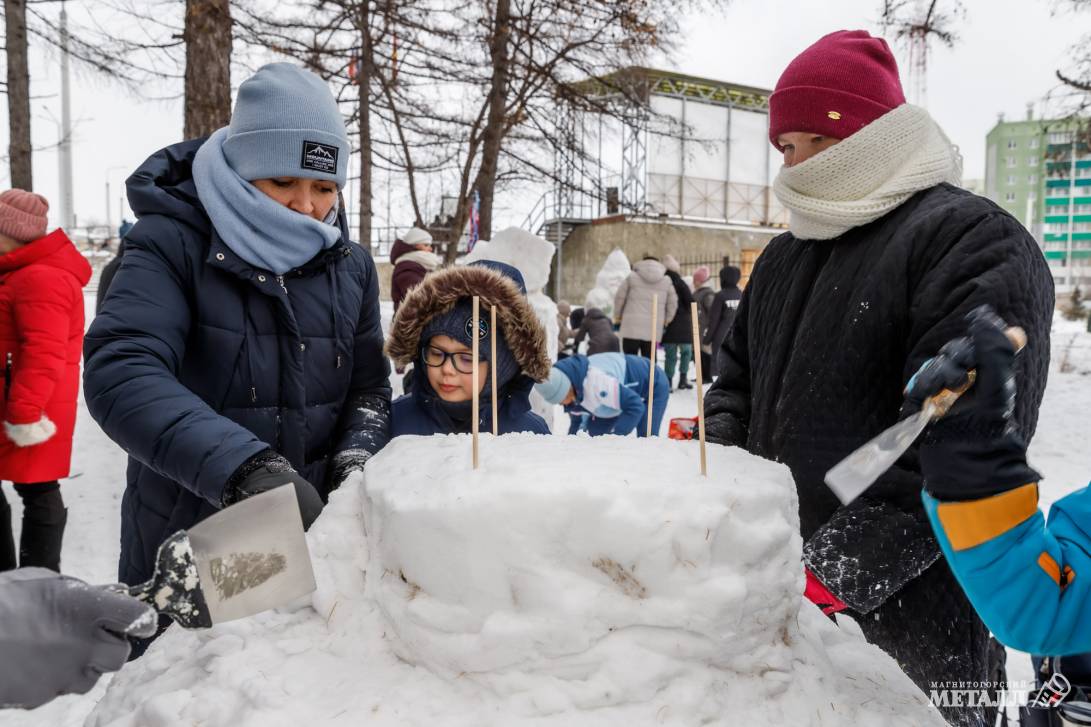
120,212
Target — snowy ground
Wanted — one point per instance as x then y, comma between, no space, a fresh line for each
93,493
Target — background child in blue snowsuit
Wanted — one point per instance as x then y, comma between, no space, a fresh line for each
612,388
1029,579
433,329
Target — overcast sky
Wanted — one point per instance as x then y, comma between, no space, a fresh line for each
1005,58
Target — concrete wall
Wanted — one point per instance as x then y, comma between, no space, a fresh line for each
587,247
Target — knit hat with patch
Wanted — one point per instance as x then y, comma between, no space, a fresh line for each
457,324
23,215
836,87
287,124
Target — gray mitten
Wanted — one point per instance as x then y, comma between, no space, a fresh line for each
58,635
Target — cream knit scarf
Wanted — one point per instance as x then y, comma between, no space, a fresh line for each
427,260
868,174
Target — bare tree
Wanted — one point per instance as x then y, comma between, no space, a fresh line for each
915,26
464,95
18,89
207,37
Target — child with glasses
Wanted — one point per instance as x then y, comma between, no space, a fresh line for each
433,329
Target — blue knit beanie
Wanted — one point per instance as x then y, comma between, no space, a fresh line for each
287,124
457,323
555,388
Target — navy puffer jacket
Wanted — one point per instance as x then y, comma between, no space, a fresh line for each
199,361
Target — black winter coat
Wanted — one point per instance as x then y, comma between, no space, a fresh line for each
826,336
680,329
721,313
199,361
599,331
107,276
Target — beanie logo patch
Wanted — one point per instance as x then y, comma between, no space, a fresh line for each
319,157
482,328
835,115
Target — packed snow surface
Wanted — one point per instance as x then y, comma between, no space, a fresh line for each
568,581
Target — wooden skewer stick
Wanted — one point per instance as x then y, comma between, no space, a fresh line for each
476,376
700,386
651,357
492,365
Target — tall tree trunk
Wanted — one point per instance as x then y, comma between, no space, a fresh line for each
19,149
208,66
363,81
493,135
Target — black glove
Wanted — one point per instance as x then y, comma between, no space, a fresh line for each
344,464
268,470
974,451
725,429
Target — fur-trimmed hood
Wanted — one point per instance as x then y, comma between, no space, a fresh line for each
439,292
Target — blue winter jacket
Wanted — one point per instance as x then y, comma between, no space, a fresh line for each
1030,581
632,373
421,412
199,361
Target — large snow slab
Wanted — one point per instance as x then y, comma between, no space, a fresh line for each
569,581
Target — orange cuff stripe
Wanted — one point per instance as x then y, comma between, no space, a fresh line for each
969,524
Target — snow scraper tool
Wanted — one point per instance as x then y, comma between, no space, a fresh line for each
850,477
247,558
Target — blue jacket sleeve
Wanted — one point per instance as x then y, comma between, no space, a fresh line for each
132,355
364,425
632,411
1030,583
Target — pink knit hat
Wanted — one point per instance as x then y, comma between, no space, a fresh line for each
23,215
836,87
700,275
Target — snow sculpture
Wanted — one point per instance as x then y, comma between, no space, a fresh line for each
613,273
569,581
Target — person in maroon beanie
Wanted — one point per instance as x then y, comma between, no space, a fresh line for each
41,339
884,257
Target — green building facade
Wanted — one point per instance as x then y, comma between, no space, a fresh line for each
1039,170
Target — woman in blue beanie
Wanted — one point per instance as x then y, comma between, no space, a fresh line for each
433,329
239,346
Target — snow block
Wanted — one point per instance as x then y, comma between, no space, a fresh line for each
568,581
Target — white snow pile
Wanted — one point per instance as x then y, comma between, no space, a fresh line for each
568,581
609,279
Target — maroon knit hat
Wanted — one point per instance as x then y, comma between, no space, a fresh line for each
836,87
23,215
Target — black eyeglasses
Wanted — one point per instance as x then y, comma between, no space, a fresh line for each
462,361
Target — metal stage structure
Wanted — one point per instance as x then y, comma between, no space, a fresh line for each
659,145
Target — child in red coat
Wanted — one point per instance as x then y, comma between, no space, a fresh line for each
41,337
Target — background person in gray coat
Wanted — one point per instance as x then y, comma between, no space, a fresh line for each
704,293
633,306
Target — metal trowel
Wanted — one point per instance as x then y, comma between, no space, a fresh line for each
247,558
850,477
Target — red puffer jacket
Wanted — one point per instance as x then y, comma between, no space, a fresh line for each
41,338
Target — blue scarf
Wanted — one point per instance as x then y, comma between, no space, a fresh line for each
257,228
